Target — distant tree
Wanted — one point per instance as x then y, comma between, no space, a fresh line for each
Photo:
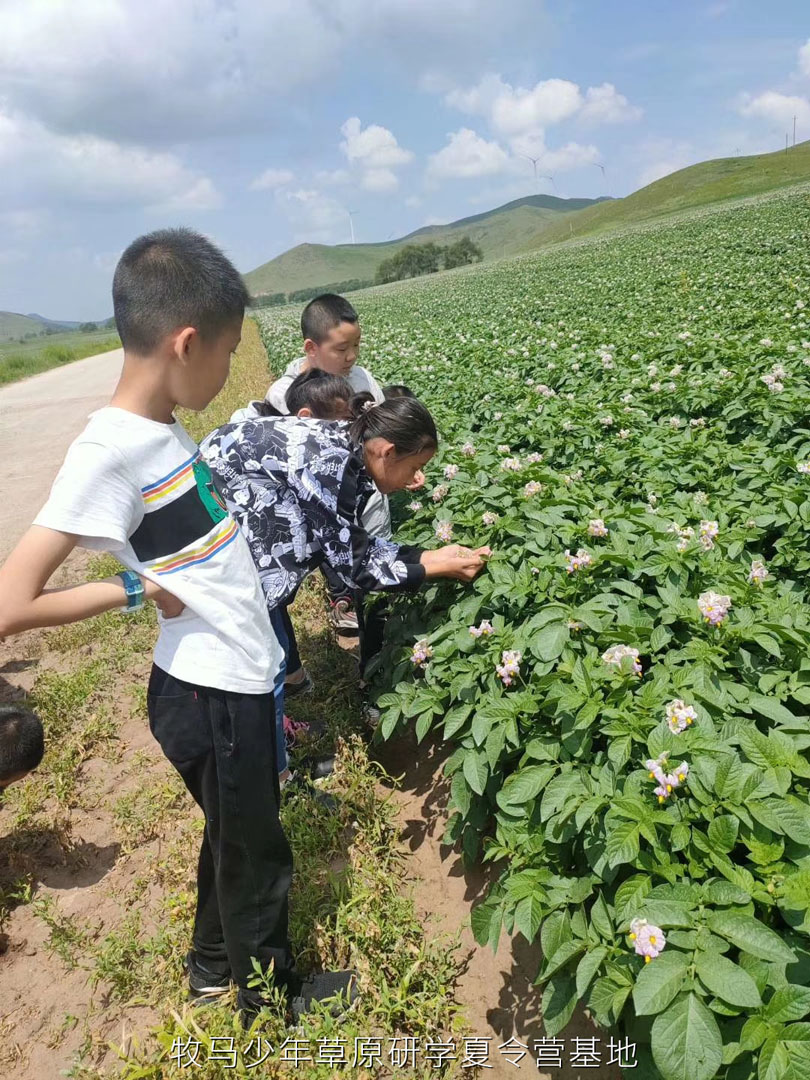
109,324
268,300
87,327
461,253
413,260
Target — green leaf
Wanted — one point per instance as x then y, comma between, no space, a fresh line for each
686,1042
558,1003
423,726
476,771
481,918
659,982
525,785
566,952
456,719
723,832
750,935
528,916
600,918
679,837
727,980
660,637
622,843
548,643
754,1033
588,967
790,1003
630,895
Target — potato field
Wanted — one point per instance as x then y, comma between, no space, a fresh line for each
626,422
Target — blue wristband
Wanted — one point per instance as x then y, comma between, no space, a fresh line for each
134,590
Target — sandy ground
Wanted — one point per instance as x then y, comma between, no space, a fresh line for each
39,418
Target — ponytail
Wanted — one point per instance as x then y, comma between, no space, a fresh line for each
403,421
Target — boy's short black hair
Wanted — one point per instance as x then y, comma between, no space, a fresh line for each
174,278
323,314
22,742
319,391
395,390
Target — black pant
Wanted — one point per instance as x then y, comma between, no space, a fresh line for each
224,746
291,653
372,613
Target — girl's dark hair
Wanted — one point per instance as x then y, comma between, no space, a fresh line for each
403,421
319,391
395,390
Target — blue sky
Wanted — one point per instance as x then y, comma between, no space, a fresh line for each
263,124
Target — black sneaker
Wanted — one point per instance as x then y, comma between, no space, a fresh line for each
296,689
203,983
326,986
343,616
370,715
320,768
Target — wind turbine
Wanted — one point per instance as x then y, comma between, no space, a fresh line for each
534,161
602,167
551,178
351,214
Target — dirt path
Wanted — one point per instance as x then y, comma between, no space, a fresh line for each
39,418
495,989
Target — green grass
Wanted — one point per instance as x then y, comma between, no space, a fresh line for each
19,360
699,185
499,232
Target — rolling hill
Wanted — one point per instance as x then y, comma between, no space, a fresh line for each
14,327
499,232
539,220
698,185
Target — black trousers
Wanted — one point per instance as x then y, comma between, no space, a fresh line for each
372,613
224,746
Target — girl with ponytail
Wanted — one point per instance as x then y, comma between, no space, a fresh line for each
298,488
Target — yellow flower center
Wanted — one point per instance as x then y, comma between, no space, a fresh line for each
652,939
647,959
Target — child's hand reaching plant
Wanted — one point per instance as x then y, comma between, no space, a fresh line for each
417,482
455,561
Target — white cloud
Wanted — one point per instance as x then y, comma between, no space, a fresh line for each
315,217
99,66
516,112
413,201
522,115
777,108
88,169
467,155
333,177
202,195
271,179
804,58
664,156
375,150
379,180
374,147
605,105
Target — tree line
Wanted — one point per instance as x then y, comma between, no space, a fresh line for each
416,259
413,260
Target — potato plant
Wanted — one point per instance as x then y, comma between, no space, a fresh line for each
627,687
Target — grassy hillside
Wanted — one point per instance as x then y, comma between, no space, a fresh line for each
499,232
698,185
16,326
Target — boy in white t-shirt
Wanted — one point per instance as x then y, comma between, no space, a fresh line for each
134,484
